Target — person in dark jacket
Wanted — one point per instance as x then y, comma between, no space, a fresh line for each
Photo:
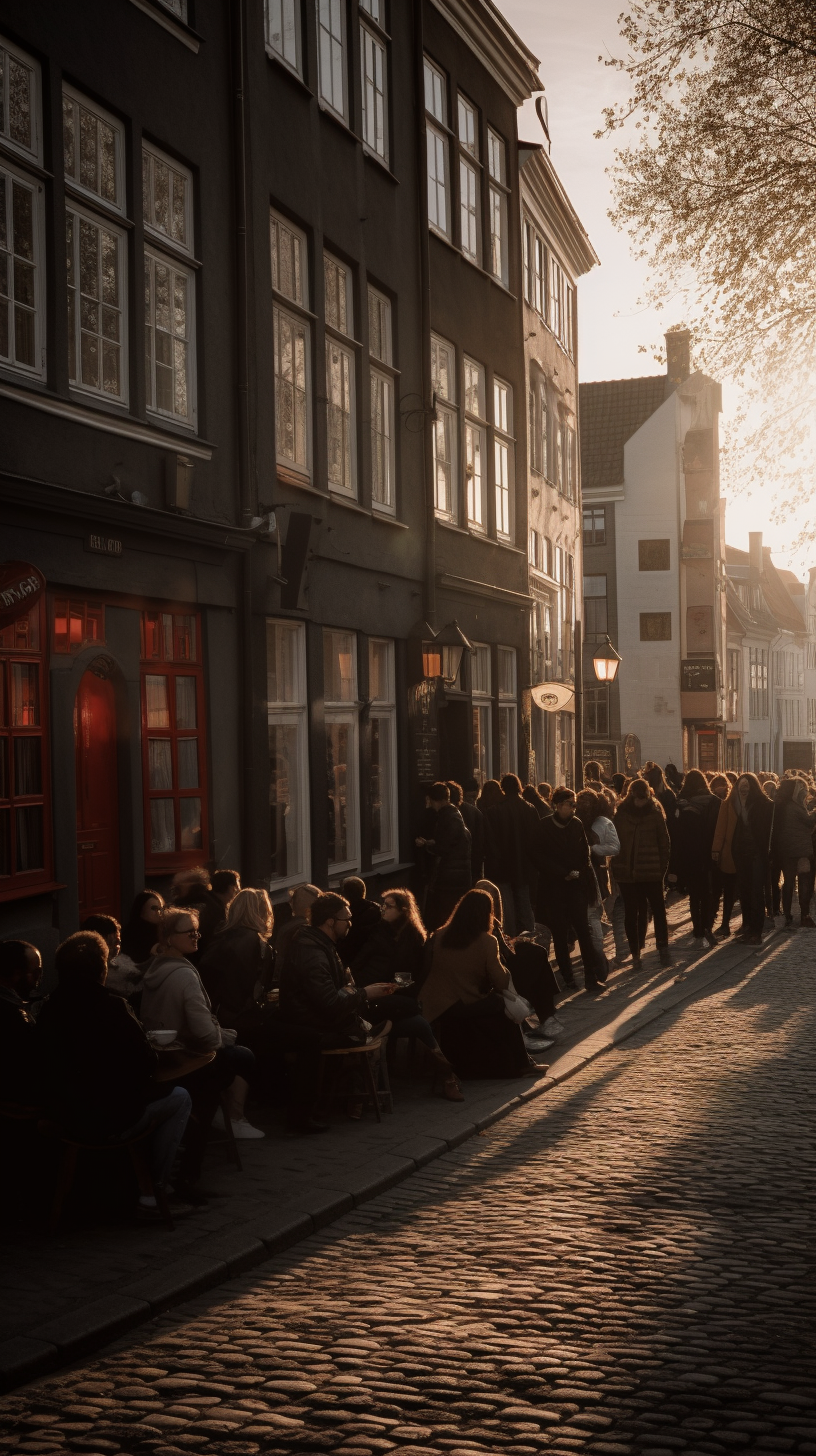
531,795
692,833
365,917
212,913
237,970
141,929
518,835
97,1065
448,846
640,868
566,883
490,805
395,951
20,973
301,899
792,848
750,849
464,799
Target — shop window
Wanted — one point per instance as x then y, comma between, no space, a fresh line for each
173,746
340,694
75,624
508,720
482,711
288,752
383,781
25,828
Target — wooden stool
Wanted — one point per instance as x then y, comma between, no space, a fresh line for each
368,1057
136,1151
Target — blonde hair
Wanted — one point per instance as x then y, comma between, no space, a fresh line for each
301,898
253,910
169,920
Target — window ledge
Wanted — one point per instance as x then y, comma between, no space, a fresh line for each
24,160
183,32
338,120
387,519
27,892
372,156
287,476
479,536
346,501
118,423
75,193
288,70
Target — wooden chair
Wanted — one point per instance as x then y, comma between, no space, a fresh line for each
136,1150
369,1061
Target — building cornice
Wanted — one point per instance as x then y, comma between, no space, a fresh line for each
484,29
544,193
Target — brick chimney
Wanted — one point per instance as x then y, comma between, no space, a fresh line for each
755,554
678,358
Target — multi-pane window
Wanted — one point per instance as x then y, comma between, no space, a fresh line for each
535,269
482,712
95,263
569,463
331,54
383,493
19,101
375,92
93,150
503,454
561,303
291,339
596,621
174,758
24,823
20,271
374,8
541,640
75,624
733,684
475,445
596,710
436,111
383,770
497,205
443,378
340,695
508,735
176,7
169,288
594,525
288,751
758,680
539,427
338,294
342,465
283,31
469,180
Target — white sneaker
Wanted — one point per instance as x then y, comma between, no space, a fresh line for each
536,1043
552,1026
244,1129
218,1121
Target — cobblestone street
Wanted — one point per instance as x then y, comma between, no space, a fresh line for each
623,1266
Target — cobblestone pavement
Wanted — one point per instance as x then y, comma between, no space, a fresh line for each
624,1266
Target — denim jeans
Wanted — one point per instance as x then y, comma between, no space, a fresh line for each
171,1114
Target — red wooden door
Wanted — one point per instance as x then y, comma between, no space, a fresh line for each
97,791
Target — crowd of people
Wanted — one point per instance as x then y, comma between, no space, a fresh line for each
168,1024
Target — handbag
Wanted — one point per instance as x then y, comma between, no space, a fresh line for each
516,1008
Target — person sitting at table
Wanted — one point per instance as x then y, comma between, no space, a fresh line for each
531,973
237,974
396,947
365,917
124,976
301,898
173,997
140,933
20,973
212,915
97,1066
463,992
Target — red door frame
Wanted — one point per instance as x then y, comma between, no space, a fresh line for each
97,787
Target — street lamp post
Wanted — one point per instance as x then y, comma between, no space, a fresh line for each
605,663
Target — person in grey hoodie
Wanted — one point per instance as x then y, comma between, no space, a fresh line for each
173,997
792,847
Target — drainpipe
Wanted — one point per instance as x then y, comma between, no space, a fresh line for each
245,491
429,595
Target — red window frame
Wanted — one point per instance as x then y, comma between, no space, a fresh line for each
171,649
76,624
24,641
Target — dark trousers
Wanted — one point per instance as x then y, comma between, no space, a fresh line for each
701,902
804,887
479,1040
205,1087
533,978
568,912
442,897
724,884
751,879
638,898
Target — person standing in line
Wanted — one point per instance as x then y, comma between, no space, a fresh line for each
695,823
490,804
724,878
474,823
519,836
449,849
641,867
566,885
792,848
226,884
591,808
750,848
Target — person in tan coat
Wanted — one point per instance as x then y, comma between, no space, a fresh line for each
463,994
640,868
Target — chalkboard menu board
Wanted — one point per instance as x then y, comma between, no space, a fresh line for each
698,677
423,726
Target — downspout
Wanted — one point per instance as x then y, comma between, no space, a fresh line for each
429,594
245,493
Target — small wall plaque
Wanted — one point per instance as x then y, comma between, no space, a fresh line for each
104,545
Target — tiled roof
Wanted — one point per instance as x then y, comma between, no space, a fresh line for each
775,591
612,410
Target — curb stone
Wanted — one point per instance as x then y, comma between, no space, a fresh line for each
91,1326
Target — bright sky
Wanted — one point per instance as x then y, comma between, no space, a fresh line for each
568,39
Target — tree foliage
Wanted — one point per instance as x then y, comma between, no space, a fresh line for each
718,190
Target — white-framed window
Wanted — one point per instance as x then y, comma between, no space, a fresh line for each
560,309
469,180
340,417
20,102
374,9
283,32
96,254
338,296
503,455
560,476
331,54
288,752
382,441
535,269
482,709
569,462
539,427
342,752
436,111
292,346
93,146
476,502
497,205
443,378
167,199
375,92
508,732
170,338
22,294
383,783
379,327
176,7
289,261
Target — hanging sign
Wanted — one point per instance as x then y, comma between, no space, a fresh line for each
21,585
553,697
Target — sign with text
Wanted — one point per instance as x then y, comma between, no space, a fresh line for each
104,545
423,723
698,677
21,585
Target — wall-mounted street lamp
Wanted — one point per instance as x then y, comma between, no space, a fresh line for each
606,662
442,655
